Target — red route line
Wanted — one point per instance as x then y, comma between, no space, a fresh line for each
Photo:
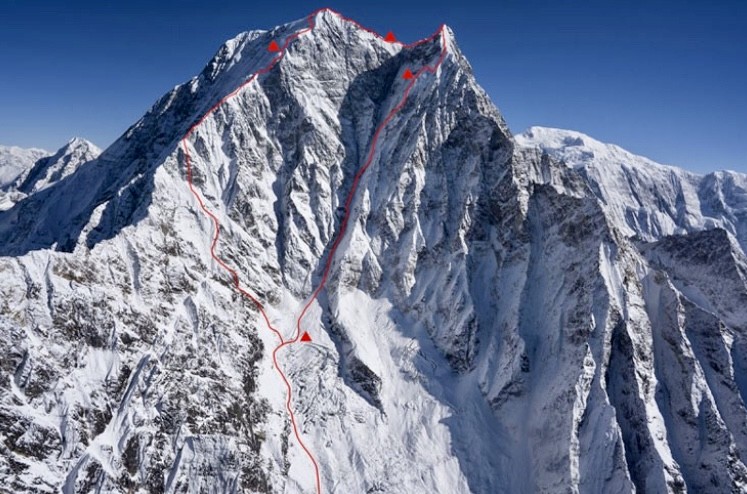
343,226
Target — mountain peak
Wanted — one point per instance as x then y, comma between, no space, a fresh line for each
64,162
577,149
646,198
78,142
560,143
327,18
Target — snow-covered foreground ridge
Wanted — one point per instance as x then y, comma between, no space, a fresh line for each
493,320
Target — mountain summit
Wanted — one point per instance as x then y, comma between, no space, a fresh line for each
486,314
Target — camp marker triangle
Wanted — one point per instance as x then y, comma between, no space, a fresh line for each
305,336
390,37
274,47
407,74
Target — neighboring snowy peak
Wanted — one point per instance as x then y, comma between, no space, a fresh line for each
29,177
82,147
14,161
643,197
578,149
65,161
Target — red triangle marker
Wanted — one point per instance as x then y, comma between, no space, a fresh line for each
408,74
273,46
390,37
305,336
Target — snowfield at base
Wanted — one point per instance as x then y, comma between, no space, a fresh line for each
539,313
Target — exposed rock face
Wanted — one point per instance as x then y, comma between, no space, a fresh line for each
495,320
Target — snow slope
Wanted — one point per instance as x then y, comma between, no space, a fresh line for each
490,323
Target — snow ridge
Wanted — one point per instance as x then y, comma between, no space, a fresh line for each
646,198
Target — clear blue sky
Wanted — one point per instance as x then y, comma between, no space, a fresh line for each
664,79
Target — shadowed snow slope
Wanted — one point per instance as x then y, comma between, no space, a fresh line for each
495,321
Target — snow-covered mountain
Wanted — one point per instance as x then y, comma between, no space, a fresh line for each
30,170
64,162
646,198
491,319
15,160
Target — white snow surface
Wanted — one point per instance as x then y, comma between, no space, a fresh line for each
495,321
15,160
